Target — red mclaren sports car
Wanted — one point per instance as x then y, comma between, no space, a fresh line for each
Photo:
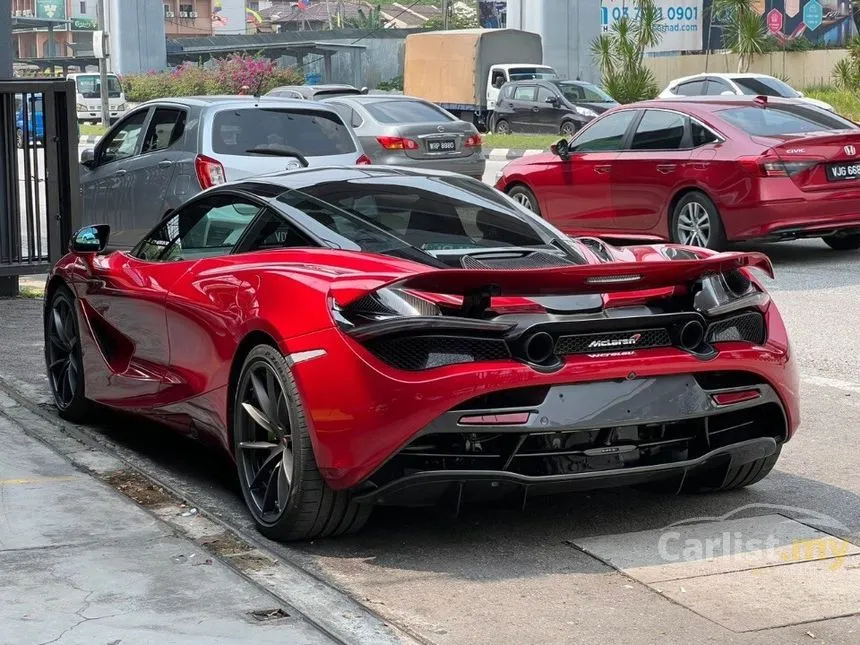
361,336
701,172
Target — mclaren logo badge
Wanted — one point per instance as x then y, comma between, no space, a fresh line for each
615,342
850,150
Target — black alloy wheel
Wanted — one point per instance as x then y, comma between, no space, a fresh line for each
278,474
63,356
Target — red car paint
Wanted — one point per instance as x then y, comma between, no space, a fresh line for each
630,194
176,329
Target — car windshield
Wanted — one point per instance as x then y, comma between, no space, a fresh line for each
583,92
430,214
532,73
406,111
784,119
89,86
765,86
314,133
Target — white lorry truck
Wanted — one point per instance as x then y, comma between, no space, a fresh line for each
462,70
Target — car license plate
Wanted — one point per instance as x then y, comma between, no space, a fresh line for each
843,171
442,145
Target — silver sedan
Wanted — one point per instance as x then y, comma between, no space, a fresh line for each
407,131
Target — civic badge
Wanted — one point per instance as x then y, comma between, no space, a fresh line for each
850,150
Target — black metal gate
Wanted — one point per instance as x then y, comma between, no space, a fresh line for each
39,178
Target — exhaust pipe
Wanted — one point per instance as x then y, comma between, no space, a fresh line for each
539,347
690,335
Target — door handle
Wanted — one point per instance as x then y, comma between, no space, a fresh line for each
165,164
666,168
602,170
120,173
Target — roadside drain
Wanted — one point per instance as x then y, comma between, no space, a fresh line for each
265,615
139,488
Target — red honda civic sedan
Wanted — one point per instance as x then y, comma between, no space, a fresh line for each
701,172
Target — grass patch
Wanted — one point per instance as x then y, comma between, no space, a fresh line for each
36,293
845,103
520,141
90,129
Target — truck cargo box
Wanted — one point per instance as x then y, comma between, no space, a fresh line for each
451,68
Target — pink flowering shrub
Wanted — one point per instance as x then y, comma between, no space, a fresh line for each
229,76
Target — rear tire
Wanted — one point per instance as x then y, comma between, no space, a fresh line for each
502,127
525,198
696,222
843,242
306,507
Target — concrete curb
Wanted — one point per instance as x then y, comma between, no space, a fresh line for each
506,154
492,154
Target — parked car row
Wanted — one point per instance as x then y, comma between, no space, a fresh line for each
165,151
701,171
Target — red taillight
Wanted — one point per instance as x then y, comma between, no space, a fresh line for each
210,172
768,166
473,142
731,398
509,419
363,160
397,143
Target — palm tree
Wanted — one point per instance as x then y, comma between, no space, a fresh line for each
745,33
620,53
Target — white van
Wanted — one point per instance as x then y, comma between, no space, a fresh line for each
89,103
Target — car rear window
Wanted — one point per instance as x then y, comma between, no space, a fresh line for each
784,119
406,112
765,87
314,133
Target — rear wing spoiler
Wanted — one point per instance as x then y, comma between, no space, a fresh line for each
579,279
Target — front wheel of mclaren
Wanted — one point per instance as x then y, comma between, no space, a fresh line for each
63,357
278,474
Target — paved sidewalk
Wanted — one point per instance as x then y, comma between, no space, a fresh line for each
81,564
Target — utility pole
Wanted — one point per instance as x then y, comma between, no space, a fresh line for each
445,13
8,284
102,53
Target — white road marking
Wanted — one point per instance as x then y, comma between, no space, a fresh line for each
839,384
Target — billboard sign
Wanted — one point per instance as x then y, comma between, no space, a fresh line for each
680,21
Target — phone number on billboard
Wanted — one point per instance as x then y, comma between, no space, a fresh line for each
678,13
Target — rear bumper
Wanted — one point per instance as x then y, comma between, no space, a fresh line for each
429,487
808,215
357,430
473,165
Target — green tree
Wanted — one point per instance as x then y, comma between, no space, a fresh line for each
370,20
620,55
745,33
846,72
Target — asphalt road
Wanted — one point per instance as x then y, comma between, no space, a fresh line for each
497,574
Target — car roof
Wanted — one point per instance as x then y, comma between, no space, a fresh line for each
723,75
308,177
710,103
237,101
373,98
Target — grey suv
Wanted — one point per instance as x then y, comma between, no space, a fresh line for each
168,150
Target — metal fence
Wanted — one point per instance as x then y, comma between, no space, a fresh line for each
38,175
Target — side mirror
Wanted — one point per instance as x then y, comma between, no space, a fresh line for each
88,157
90,239
561,148
727,93
553,100
364,90
800,94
